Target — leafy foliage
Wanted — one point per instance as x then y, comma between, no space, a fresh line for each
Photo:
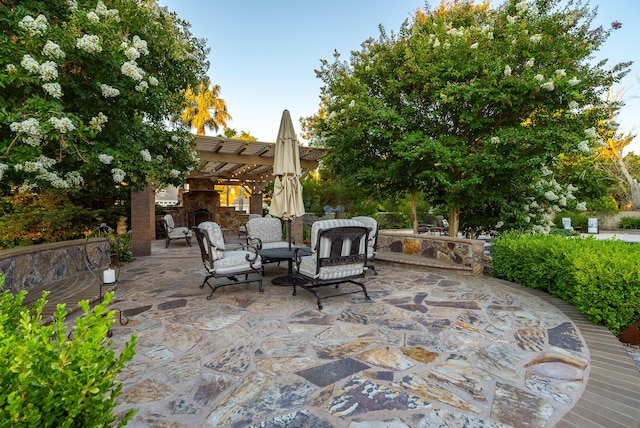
55,378
92,94
600,277
471,105
29,219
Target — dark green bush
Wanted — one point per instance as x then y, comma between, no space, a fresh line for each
629,223
601,278
51,377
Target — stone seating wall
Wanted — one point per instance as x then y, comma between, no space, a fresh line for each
33,267
442,252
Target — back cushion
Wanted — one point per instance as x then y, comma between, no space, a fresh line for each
267,229
215,236
346,244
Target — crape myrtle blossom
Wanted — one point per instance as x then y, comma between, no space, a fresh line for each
34,26
62,124
109,91
89,43
118,175
53,89
145,155
48,70
98,122
105,159
30,64
53,50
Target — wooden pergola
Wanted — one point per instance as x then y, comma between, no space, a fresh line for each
249,163
224,161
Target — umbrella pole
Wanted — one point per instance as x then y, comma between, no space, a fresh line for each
289,232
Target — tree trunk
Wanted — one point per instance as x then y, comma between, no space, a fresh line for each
634,187
454,221
414,213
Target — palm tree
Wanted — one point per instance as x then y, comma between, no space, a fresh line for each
204,108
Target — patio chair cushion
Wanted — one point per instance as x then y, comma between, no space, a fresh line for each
216,237
308,268
235,261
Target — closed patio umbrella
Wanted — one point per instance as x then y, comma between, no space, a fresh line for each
287,201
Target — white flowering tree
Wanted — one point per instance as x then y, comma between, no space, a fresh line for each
473,106
92,93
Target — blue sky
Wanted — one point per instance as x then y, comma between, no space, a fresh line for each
264,53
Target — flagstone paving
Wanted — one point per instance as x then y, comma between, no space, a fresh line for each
429,349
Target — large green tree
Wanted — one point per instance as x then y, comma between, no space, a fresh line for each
472,105
92,93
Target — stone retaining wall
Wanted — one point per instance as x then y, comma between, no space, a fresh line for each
25,268
466,254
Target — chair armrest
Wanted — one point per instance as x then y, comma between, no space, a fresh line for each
256,242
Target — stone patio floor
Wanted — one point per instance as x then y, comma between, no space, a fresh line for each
430,349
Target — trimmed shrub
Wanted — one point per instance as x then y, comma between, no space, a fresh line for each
51,377
601,278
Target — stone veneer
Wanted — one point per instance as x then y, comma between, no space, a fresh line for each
34,266
463,254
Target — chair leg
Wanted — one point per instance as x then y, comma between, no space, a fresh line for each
188,238
166,244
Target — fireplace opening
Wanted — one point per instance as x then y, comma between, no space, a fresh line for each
200,215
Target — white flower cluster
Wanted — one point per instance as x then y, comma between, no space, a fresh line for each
474,46
173,173
62,124
507,70
30,131
530,63
40,164
105,158
142,86
536,38
118,175
103,11
48,70
30,64
53,50
93,17
73,4
153,81
145,155
140,45
34,26
573,105
548,86
132,53
573,81
4,167
89,43
97,122
53,89
109,91
131,69
11,69
583,146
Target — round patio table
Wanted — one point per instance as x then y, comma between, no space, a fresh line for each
270,255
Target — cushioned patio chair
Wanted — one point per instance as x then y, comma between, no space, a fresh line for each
242,230
173,232
372,239
225,263
338,255
265,232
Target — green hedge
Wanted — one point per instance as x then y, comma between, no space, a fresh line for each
601,278
629,223
54,376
